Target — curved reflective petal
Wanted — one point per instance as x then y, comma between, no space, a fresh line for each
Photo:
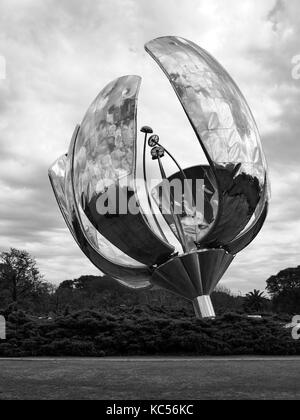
225,128
104,172
57,179
240,243
98,241
129,276
255,225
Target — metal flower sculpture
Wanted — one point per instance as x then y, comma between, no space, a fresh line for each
130,244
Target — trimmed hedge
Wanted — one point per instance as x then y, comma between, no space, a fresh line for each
142,331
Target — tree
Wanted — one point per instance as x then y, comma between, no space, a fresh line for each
286,280
284,289
67,285
224,301
19,275
255,301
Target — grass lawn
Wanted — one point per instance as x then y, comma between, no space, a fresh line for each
157,378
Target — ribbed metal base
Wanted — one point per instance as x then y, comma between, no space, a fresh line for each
194,276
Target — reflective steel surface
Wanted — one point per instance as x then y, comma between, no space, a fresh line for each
98,241
104,167
194,274
196,198
98,250
226,130
105,147
240,243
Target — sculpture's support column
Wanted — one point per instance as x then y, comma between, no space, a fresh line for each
203,307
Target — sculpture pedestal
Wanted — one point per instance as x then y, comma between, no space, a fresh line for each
203,307
194,276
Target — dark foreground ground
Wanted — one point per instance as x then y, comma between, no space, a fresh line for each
158,378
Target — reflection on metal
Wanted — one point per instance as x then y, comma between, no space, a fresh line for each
243,241
135,277
196,273
199,202
220,208
225,128
105,155
203,307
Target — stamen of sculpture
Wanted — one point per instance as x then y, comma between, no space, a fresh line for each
213,212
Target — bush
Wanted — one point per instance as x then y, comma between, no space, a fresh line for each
152,332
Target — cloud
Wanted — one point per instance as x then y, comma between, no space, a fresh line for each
59,54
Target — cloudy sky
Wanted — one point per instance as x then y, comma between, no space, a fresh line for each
60,53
